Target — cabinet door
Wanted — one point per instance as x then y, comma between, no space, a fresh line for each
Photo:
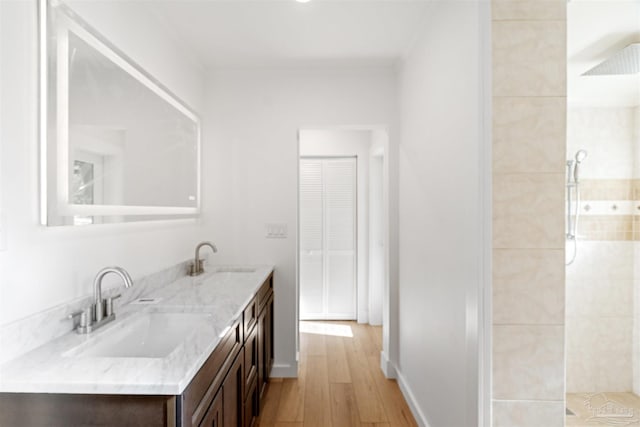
233,393
268,339
213,417
262,354
265,345
251,356
251,406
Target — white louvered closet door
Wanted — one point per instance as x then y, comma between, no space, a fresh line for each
328,238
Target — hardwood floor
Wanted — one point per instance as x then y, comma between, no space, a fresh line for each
340,383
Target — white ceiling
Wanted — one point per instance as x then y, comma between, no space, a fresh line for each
284,32
595,31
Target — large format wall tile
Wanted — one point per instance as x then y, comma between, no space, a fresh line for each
599,354
528,286
529,154
529,58
528,211
617,256
528,362
536,10
613,367
636,339
529,135
582,352
528,414
607,135
599,297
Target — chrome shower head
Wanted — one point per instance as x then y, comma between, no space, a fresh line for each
580,156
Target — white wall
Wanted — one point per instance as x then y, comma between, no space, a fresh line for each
377,219
329,142
251,126
43,267
439,217
129,26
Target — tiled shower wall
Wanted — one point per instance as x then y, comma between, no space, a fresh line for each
636,274
636,320
529,140
602,281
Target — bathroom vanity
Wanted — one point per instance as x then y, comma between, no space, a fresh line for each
206,361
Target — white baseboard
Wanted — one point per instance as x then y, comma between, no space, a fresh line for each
421,419
284,370
388,368
332,316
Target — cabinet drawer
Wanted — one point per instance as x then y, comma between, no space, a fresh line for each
250,316
64,410
200,392
264,292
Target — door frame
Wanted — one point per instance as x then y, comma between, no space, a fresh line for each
389,300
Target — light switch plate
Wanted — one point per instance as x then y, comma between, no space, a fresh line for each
275,231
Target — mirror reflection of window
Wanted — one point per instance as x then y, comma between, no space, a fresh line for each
100,105
112,112
82,186
82,183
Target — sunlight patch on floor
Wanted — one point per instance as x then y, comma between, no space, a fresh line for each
321,328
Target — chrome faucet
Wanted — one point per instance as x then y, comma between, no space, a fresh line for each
100,307
197,267
101,311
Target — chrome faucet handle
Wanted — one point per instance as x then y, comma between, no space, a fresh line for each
196,269
83,317
108,305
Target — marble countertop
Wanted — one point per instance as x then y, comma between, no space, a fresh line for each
55,368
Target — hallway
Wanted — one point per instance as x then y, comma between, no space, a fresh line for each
340,383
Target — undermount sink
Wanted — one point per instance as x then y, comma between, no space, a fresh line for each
235,270
150,335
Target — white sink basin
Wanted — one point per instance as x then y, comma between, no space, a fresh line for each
235,270
152,335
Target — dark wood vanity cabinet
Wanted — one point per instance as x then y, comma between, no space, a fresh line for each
199,394
213,416
265,344
65,410
226,391
258,350
233,394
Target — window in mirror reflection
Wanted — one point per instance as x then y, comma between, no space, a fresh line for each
83,188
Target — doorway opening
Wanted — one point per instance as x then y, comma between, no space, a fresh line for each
343,224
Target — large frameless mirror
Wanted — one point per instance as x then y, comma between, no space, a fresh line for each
117,146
